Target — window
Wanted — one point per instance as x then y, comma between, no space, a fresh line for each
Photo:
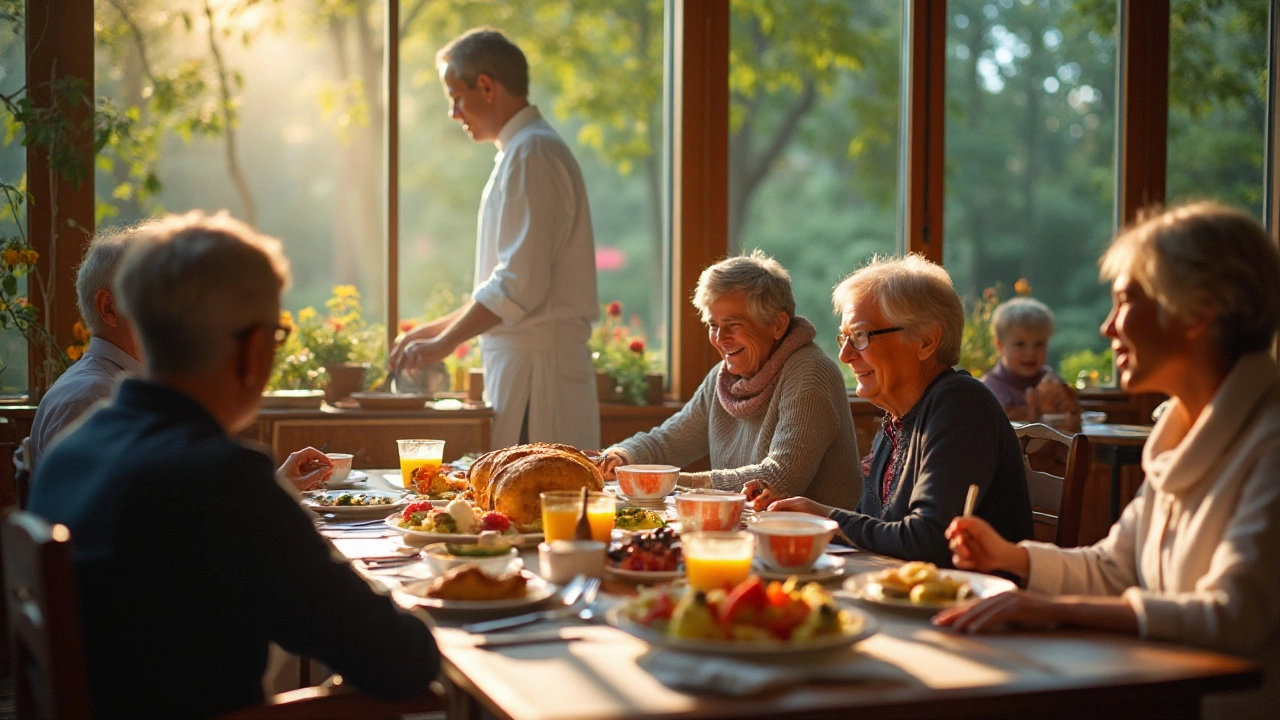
13,168
813,140
1218,70
596,74
1030,130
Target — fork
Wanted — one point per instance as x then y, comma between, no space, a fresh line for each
585,590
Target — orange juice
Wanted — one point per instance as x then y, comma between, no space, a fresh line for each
408,465
559,523
709,573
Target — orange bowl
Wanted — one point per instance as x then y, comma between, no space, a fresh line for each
790,541
647,482
706,511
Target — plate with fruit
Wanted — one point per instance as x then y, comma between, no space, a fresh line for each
754,618
458,522
651,557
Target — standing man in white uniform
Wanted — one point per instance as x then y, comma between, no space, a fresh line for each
535,284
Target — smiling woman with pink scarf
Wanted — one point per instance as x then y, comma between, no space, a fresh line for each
773,416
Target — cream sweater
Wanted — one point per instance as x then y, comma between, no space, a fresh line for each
1195,554
801,444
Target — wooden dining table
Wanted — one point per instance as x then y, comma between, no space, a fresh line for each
909,668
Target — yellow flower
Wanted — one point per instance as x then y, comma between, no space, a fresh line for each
1022,287
345,291
286,319
306,314
75,351
12,257
29,256
80,332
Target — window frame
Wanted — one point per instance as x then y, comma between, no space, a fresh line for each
696,148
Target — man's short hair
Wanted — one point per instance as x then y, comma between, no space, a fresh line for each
1022,313
191,283
485,51
98,269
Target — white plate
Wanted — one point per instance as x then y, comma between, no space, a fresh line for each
536,590
519,539
827,566
617,617
354,478
647,577
398,501
864,587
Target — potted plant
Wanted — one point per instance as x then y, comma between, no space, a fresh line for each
340,352
624,367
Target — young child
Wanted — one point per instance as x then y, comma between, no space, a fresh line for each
1021,381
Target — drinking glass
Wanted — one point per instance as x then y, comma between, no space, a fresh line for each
560,510
717,559
418,453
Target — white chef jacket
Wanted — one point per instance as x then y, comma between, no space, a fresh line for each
536,270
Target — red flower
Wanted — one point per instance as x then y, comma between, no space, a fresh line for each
637,346
462,351
406,326
614,309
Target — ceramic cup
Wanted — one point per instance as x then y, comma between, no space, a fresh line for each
706,511
647,482
790,541
341,466
560,560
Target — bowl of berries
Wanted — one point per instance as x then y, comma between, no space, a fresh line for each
650,557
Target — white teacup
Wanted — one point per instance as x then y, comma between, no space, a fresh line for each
560,560
341,466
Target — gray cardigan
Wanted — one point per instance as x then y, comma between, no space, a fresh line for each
960,437
801,444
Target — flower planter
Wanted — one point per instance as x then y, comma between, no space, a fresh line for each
605,387
654,388
344,380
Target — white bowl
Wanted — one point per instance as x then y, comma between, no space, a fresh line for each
707,511
441,561
1093,417
341,466
647,482
790,541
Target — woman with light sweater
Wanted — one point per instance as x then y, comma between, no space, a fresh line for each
1195,308
900,328
773,415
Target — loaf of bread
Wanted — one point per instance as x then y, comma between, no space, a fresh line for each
510,481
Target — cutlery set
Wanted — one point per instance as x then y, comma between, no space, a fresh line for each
579,588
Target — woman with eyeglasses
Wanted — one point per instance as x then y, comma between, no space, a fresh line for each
900,328
773,416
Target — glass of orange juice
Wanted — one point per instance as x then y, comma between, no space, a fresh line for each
418,453
717,559
560,509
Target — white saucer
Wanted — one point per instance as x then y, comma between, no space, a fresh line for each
827,566
356,479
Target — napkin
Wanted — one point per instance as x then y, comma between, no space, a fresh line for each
737,677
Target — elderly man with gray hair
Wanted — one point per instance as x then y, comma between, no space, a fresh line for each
112,352
180,596
773,416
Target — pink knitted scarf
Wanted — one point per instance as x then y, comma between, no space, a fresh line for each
743,397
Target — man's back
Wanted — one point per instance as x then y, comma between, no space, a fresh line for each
190,560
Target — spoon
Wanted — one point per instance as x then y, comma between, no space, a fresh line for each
970,499
582,531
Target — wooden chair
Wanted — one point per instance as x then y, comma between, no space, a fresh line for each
22,472
45,642
1057,467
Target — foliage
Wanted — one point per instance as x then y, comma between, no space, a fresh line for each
1088,368
18,261
339,338
619,351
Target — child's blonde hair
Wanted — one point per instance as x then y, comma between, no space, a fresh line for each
1022,312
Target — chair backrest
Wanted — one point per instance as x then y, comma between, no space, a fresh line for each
22,472
1057,467
49,675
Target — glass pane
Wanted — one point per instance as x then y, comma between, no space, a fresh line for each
813,140
295,151
1218,102
1031,106
596,74
13,171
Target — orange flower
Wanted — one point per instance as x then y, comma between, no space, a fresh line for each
80,332
462,351
614,309
636,346
406,326
75,352
29,256
12,257
1022,287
